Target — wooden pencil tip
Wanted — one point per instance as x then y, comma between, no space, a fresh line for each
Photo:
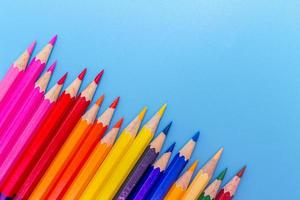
62,79
162,109
53,40
171,147
115,103
167,128
100,100
31,47
194,165
142,113
98,77
52,67
241,172
119,123
222,174
196,136
82,74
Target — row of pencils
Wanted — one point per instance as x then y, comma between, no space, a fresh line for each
53,147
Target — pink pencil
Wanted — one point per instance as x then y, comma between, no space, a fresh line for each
13,132
11,106
15,72
29,132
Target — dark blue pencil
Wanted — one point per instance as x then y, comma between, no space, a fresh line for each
151,176
174,169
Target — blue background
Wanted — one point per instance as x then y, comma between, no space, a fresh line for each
230,68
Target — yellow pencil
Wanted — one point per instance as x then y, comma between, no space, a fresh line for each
128,161
118,150
202,178
180,186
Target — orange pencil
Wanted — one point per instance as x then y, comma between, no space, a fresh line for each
92,164
83,152
68,150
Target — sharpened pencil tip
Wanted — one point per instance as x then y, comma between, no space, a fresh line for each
31,47
119,123
53,40
222,174
167,128
170,149
52,67
162,109
142,113
115,103
194,165
98,77
241,172
62,79
196,136
100,100
82,74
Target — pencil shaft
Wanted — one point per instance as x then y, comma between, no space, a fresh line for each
145,161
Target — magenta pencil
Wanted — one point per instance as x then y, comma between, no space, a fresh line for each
15,72
11,105
13,131
30,130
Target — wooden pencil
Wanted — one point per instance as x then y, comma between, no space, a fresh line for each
81,104
180,186
112,159
92,164
229,190
14,130
42,137
152,175
128,161
29,132
15,73
20,94
174,169
202,178
211,191
147,159
68,150
84,150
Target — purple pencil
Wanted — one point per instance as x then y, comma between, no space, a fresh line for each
29,132
10,106
15,72
13,132
152,175
149,156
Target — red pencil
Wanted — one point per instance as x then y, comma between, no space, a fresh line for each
42,137
60,136
83,153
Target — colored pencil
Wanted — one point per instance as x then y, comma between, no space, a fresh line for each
211,191
128,161
13,132
15,72
180,186
69,149
174,169
152,175
229,190
93,137
81,104
28,133
202,178
67,173
112,159
92,164
42,137
10,105
147,159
